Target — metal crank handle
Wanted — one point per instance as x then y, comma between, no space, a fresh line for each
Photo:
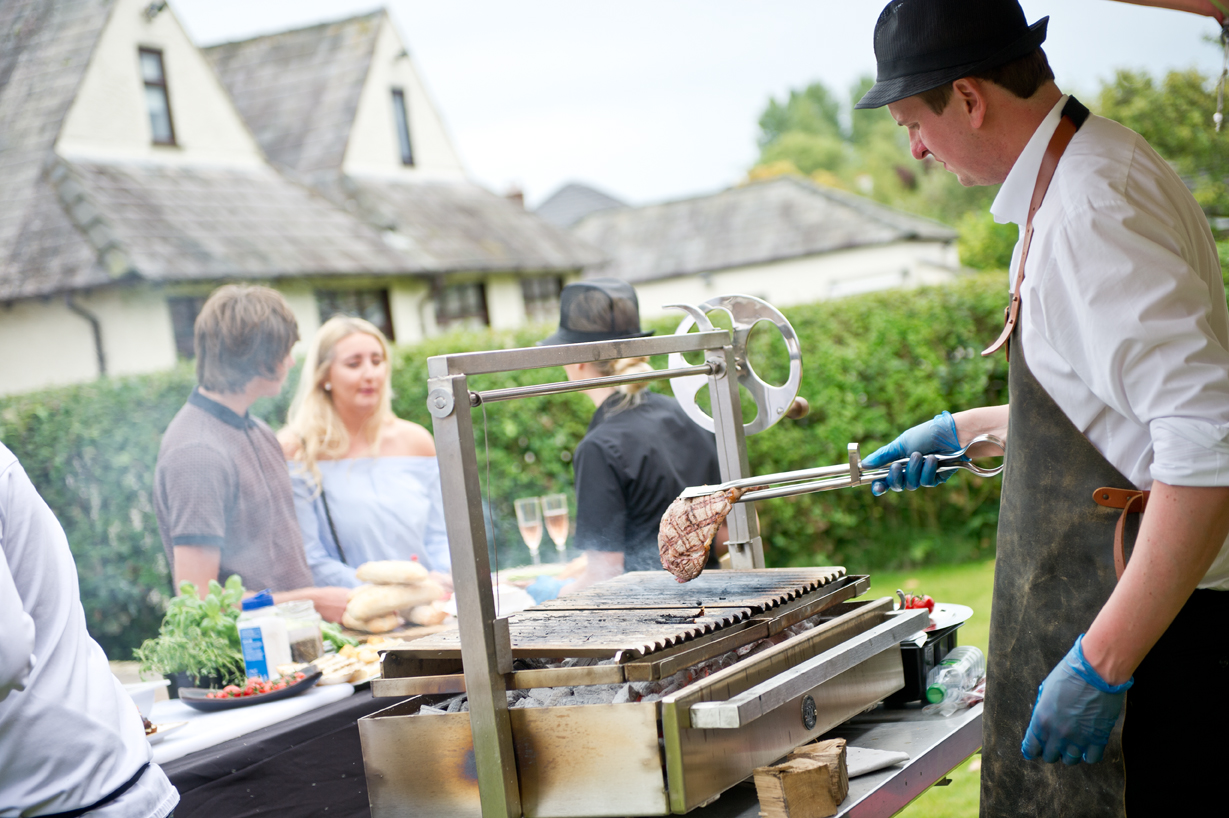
861,477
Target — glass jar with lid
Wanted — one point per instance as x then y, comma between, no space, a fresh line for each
303,628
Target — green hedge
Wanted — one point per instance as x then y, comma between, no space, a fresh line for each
873,365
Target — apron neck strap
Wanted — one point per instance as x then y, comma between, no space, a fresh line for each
1074,115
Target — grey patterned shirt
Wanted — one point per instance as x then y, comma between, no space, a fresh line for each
221,482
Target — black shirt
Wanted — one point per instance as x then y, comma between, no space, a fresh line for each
629,468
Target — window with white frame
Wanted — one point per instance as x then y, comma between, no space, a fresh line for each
541,298
371,305
157,99
402,120
461,306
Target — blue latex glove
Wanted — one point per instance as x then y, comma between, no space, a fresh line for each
936,436
546,588
1074,712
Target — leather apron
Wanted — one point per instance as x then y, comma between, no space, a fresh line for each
1053,573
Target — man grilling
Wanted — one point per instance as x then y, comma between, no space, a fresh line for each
1119,383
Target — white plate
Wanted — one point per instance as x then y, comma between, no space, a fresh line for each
163,730
946,613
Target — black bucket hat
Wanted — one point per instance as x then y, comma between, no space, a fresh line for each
923,44
598,309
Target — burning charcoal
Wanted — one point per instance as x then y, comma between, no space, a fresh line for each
428,710
686,532
454,705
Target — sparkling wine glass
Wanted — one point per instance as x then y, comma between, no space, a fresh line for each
529,519
555,511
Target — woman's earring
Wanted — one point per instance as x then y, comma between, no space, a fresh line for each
328,387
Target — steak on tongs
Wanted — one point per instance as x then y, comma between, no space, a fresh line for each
686,533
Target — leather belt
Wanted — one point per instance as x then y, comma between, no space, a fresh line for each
1129,501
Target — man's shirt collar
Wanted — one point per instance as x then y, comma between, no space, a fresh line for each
222,413
1016,194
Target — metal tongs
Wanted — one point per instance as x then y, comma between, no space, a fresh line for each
843,476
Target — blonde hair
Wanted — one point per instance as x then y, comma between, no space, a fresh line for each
313,418
630,393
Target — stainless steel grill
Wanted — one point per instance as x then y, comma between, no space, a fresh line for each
825,658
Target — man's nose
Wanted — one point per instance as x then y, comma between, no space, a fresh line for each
917,147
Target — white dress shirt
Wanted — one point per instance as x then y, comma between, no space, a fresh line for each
69,734
1124,319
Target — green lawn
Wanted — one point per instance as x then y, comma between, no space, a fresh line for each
970,585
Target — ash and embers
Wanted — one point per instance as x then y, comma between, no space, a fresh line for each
629,692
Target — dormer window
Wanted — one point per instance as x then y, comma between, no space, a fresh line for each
403,126
156,98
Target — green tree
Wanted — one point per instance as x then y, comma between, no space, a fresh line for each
1175,116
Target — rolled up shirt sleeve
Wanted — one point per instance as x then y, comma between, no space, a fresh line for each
1143,333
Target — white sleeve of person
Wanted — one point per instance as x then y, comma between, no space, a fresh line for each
1131,299
17,647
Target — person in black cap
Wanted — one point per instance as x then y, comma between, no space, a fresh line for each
641,449
1119,384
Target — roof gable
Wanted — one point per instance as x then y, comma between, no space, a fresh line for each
44,50
109,118
767,221
299,90
573,202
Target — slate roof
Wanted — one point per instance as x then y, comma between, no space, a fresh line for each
299,90
67,225
463,226
573,202
44,49
782,218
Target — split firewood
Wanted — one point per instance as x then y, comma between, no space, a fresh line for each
811,782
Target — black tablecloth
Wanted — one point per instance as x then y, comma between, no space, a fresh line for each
309,765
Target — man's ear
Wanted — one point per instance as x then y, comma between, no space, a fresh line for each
970,94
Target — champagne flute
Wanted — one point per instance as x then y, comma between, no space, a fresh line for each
555,511
529,519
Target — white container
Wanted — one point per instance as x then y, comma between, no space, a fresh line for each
263,637
143,694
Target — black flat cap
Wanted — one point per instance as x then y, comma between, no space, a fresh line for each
597,309
923,44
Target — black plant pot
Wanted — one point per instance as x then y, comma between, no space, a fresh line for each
179,680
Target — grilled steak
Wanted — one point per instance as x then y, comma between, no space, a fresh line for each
687,530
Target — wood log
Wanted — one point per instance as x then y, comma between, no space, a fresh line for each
811,782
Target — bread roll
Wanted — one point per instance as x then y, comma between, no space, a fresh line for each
391,572
426,615
380,624
370,601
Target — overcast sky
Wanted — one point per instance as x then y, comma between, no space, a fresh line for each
658,99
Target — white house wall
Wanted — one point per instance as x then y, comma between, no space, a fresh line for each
413,311
109,119
373,148
136,336
505,301
809,279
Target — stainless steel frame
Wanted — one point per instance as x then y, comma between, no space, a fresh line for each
485,646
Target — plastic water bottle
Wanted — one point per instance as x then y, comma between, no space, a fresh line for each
956,674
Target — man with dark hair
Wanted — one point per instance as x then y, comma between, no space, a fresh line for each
221,491
1119,383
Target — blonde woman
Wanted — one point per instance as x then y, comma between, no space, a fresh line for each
366,483
641,449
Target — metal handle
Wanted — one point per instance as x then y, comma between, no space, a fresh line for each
783,688
842,476
862,477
